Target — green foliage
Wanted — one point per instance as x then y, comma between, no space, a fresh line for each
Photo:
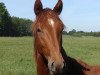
22,26
16,54
72,32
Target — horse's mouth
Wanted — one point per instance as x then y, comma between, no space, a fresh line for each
55,71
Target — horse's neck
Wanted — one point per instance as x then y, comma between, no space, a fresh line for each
75,61
75,67
82,65
41,66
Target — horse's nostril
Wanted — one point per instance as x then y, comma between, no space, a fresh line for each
64,64
52,64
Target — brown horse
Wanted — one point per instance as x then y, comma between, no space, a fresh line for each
50,56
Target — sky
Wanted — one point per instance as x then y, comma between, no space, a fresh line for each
82,15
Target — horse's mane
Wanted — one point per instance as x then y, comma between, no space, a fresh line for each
78,63
73,64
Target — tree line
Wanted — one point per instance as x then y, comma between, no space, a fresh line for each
13,26
81,33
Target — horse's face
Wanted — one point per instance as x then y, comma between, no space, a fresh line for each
48,36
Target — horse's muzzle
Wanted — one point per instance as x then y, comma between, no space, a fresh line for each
56,67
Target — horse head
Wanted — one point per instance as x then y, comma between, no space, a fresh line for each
47,31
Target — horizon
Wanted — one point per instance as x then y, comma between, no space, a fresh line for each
76,14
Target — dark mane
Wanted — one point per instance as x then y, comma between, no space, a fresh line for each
74,66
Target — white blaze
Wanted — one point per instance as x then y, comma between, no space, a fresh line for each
51,22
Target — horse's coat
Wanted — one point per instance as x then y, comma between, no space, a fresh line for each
50,56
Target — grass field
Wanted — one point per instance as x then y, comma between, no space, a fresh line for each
16,54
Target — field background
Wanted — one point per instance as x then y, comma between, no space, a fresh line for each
16,53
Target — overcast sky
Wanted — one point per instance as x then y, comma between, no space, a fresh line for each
77,14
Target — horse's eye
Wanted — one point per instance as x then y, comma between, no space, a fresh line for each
38,30
61,30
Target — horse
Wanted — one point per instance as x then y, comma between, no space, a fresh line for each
50,56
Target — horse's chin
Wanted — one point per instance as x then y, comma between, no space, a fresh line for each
55,72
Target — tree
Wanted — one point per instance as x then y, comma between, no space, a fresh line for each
5,22
21,26
72,32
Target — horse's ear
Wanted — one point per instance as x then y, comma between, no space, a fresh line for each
38,7
58,7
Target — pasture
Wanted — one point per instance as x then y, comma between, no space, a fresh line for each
16,53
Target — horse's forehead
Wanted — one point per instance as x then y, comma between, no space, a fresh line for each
48,18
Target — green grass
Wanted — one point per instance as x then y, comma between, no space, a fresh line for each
85,48
16,54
